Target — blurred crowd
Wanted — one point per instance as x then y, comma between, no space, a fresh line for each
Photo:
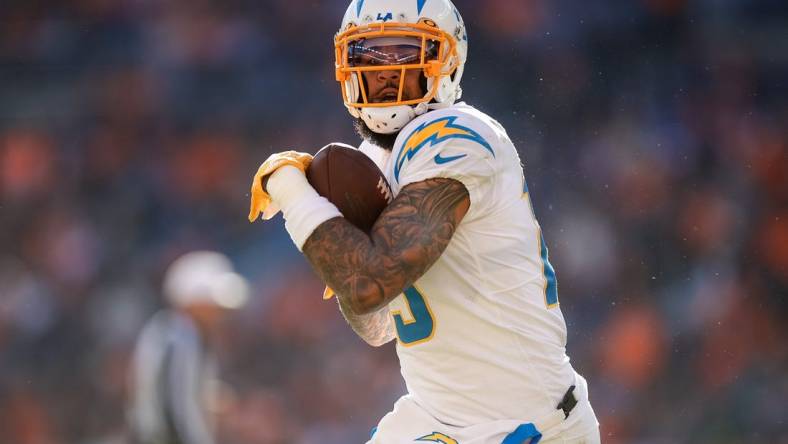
654,138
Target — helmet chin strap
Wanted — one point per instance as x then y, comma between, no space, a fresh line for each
391,119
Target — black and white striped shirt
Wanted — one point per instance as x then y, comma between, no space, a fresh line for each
171,378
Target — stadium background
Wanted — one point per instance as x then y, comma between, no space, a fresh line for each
654,138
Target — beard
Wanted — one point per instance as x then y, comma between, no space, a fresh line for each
385,141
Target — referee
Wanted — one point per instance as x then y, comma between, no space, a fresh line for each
174,373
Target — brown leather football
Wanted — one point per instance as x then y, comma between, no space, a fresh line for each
351,181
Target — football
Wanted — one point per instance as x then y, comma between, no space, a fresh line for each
351,181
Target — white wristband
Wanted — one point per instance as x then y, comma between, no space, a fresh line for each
303,209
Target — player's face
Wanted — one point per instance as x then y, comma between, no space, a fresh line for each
383,85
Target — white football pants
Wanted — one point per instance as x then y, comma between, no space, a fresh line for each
409,423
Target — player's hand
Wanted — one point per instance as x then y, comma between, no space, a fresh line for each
261,200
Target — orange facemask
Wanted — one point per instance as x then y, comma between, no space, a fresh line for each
404,47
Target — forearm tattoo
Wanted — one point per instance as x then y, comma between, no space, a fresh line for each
375,328
368,271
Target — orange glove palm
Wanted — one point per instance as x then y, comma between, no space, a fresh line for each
260,199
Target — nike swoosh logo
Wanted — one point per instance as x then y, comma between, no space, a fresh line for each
441,160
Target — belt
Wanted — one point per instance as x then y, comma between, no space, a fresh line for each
562,410
568,402
533,431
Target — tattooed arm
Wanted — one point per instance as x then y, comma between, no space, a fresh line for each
368,271
375,328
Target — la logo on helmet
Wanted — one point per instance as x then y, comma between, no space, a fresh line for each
385,18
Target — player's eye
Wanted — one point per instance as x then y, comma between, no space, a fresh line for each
389,51
360,55
408,54
365,60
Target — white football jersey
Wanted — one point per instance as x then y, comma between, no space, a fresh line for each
480,335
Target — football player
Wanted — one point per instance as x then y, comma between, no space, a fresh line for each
456,267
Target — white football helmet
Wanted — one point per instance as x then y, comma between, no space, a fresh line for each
204,277
427,36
